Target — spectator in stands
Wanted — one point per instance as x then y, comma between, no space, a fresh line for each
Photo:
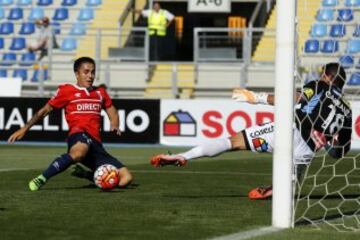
158,21
42,41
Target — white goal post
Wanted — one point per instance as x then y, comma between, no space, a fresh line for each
282,203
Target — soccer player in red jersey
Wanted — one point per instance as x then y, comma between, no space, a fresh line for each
83,104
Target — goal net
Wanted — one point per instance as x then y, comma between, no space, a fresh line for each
327,191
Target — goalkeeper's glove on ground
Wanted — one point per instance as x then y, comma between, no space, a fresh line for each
243,95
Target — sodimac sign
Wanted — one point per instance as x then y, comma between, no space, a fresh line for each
191,122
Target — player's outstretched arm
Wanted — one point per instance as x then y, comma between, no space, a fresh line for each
114,119
244,95
19,134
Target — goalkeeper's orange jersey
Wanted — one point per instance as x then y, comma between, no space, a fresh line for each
82,108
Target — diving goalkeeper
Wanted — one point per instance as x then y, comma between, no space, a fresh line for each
323,119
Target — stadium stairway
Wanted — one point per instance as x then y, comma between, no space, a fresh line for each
265,50
159,85
106,18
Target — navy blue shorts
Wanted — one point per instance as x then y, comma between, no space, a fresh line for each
97,155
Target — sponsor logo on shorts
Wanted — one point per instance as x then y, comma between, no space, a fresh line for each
260,144
260,132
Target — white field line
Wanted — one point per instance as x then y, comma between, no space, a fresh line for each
248,234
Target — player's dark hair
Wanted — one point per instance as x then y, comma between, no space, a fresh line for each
78,62
337,74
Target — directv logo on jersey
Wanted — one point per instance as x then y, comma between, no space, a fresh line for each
88,107
261,132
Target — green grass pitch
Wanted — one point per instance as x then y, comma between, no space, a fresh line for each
205,199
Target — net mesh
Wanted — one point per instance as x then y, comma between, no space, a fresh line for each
327,194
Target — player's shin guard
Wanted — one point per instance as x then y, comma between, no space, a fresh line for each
58,165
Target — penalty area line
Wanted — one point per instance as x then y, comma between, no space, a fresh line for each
249,234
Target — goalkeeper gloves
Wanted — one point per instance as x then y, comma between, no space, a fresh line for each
243,95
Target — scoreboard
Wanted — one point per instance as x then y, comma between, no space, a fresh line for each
206,6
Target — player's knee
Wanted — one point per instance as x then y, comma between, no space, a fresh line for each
77,156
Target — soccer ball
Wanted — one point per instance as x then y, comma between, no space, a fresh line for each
106,177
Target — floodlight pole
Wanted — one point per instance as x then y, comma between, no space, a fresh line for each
284,114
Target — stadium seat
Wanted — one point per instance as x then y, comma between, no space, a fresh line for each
27,59
27,28
347,61
78,29
6,2
8,59
21,73
68,44
354,79
61,14
356,32
44,3
2,43
18,43
330,3
325,14
352,3
312,46
86,14
23,3
353,46
56,27
345,15
337,30
93,3
15,14
318,30
68,3
6,28
38,73
3,73
2,13
330,46
36,13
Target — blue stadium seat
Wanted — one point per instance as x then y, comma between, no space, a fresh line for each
2,43
352,3
6,2
21,73
347,61
86,14
318,30
93,3
18,43
2,13
27,28
8,59
330,46
36,75
78,29
44,2
330,3
16,14
6,28
56,27
312,46
68,3
3,73
68,44
354,79
27,59
353,46
325,14
23,3
36,13
356,32
337,30
345,15
61,14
